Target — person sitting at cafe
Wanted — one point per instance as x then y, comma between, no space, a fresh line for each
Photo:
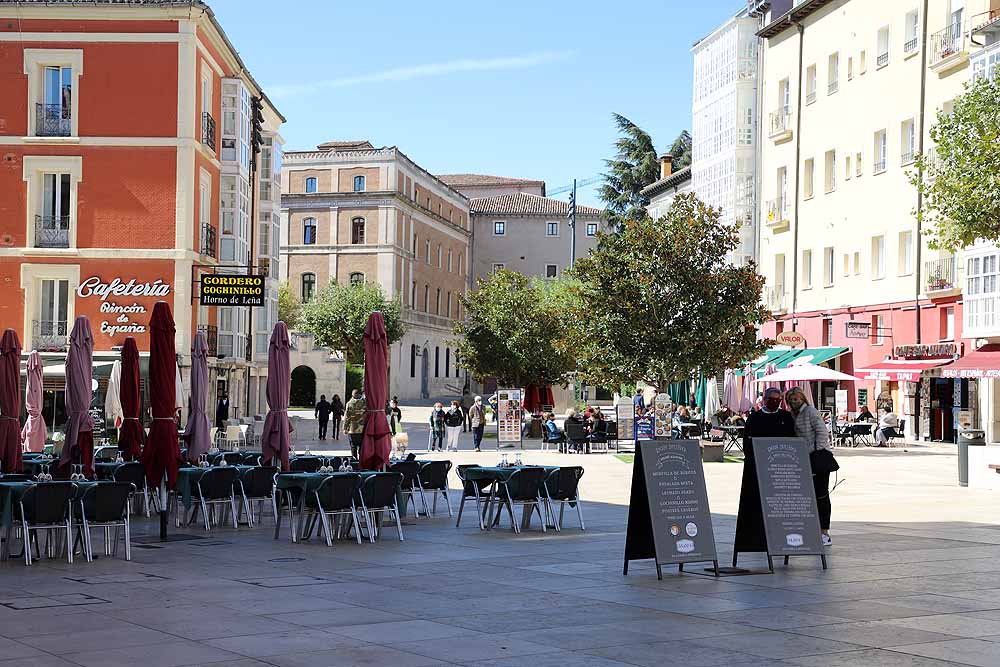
574,417
597,427
552,432
887,428
865,415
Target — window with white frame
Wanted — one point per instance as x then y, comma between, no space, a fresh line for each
552,228
359,183
807,269
427,298
437,302
311,184
948,323
52,199
862,62
591,229
499,228
833,74
308,286
413,294
810,84
828,267
882,59
50,330
448,313
911,25
309,231
905,253
850,68
847,265
808,175
358,231
847,167
449,260
52,224
878,257
878,329
830,177
551,270
427,253
881,149
858,164
857,262
53,100
907,140
439,256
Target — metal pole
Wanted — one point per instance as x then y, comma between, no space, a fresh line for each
572,229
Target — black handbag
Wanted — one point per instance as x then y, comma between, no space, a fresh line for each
822,461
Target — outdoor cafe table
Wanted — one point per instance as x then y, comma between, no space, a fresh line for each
34,465
857,431
303,482
12,492
734,437
499,475
188,475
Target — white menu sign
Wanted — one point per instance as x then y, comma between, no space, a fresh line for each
509,416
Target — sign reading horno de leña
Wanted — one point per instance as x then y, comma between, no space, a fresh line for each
232,290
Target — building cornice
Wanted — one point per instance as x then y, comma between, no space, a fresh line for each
301,201
795,15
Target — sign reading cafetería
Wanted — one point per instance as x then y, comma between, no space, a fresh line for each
232,290
121,316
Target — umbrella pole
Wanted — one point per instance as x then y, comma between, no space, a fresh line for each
163,509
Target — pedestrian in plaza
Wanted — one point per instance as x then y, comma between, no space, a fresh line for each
771,421
354,421
322,413
222,413
465,411
639,402
395,415
437,424
809,426
477,420
453,421
887,426
337,413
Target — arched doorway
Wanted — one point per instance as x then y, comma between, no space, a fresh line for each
424,375
303,390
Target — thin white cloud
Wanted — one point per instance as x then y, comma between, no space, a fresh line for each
425,71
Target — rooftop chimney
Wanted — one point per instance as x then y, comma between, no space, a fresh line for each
666,165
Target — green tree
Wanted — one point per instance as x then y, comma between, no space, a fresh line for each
658,302
337,316
961,177
634,166
289,306
511,331
681,150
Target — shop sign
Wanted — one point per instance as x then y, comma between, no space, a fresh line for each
925,351
509,416
856,329
790,338
232,290
122,314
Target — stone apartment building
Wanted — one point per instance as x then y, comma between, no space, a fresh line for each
353,213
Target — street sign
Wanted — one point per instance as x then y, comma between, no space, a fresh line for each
232,290
791,339
857,329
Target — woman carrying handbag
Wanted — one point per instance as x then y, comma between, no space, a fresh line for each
810,427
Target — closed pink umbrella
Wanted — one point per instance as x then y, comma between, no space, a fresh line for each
199,429
274,437
749,397
79,444
376,446
34,431
10,402
730,393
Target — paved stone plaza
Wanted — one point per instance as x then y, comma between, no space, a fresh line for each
912,581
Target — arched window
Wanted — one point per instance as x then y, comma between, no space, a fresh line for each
427,252
437,302
358,231
427,298
308,286
357,278
437,362
448,313
447,362
309,231
439,255
449,260
413,361
359,183
311,184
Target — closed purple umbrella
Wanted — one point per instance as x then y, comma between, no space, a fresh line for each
199,428
10,402
274,438
34,431
79,444
376,446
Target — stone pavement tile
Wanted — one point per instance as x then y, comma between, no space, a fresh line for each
774,618
681,654
335,618
588,636
976,652
992,614
476,648
554,659
944,604
662,600
242,662
41,660
288,605
172,654
32,624
872,657
985,594
772,598
278,643
366,656
877,634
76,641
856,590
10,649
402,631
201,621
958,625
863,610
778,645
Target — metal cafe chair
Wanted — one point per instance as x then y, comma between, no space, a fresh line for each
563,486
433,477
217,486
105,505
257,484
524,488
378,495
44,506
410,485
233,439
135,474
231,458
335,498
479,489
305,464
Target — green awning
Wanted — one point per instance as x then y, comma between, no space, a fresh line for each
812,355
769,357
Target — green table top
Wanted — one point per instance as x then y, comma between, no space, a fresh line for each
310,481
496,472
11,492
187,476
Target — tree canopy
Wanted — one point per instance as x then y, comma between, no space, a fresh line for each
289,306
634,166
658,302
511,331
337,316
961,177
681,150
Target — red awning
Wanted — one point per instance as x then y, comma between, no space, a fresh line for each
898,370
982,363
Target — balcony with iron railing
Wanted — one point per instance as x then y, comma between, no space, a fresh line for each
833,86
879,166
53,120
208,130
777,212
811,96
911,45
940,275
208,243
49,336
882,60
948,47
780,123
51,231
907,156
211,338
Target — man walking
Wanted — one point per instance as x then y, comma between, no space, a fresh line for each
354,421
322,412
477,419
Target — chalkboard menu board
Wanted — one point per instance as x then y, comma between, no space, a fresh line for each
787,497
669,519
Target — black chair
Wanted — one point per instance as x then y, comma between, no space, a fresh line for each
547,441
251,459
15,477
410,485
563,486
257,484
336,497
216,486
305,464
480,489
105,505
44,506
135,474
378,494
105,454
898,433
612,434
576,434
231,458
598,439
434,478
524,488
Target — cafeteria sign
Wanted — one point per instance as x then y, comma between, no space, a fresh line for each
232,290
121,316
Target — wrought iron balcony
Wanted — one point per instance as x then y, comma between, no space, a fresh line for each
947,43
879,166
208,130
910,46
811,96
53,120
51,231
907,156
211,338
939,274
49,336
882,60
833,87
208,245
780,121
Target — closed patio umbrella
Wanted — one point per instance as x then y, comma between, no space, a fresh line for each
130,433
160,454
10,402
712,403
730,392
34,431
112,399
749,393
198,429
376,445
274,437
79,444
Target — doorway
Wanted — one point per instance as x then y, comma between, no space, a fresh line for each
303,389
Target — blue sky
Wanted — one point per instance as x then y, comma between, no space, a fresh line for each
518,88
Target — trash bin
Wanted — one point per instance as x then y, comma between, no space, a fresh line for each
967,438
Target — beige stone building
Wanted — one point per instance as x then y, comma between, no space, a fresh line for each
355,213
